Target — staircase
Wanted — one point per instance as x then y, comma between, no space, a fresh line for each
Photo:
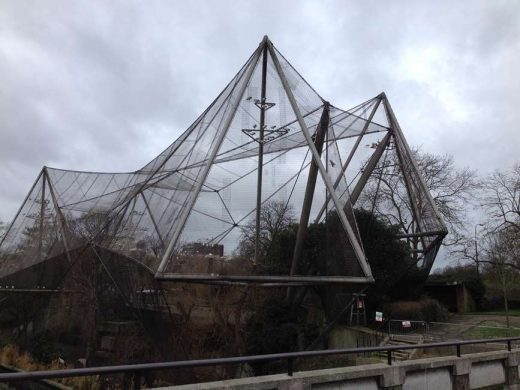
402,340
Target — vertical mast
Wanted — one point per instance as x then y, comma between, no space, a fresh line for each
42,218
261,150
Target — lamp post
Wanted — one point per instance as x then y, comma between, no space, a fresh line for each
476,249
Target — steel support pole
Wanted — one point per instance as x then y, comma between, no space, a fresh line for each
309,190
152,218
62,224
398,142
369,168
260,155
346,225
187,210
351,155
413,205
42,218
399,134
319,140
21,207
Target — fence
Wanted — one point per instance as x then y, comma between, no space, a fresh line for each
138,369
444,331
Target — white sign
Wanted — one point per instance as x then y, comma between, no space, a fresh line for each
379,316
406,324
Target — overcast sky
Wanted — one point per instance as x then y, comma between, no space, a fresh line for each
105,86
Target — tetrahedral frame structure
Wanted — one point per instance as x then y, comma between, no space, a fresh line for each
269,154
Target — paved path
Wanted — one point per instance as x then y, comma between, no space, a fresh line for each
479,319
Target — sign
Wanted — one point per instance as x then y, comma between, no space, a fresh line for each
360,303
379,316
406,324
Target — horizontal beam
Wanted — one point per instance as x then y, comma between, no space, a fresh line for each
35,290
250,284
208,278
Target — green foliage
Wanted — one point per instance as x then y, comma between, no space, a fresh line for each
276,328
325,253
6,340
43,347
396,274
477,288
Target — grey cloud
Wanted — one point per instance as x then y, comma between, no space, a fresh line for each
108,85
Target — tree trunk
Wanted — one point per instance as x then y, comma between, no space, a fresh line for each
506,306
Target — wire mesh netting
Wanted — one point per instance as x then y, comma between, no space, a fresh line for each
264,183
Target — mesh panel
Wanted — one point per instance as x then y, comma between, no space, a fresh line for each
105,241
199,196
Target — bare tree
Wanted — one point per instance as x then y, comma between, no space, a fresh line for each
452,189
275,216
502,198
502,259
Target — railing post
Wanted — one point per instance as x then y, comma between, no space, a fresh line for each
290,367
511,366
389,356
509,345
137,380
458,350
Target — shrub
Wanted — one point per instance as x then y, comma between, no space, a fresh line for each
425,309
44,348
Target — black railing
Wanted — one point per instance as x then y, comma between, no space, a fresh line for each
289,357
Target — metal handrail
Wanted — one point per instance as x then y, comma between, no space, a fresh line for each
137,369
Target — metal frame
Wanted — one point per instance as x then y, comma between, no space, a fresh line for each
351,154
369,168
264,48
232,99
187,210
262,107
400,137
62,224
309,190
295,280
152,218
324,175
21,207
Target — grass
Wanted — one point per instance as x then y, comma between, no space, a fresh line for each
512,313
489,332
12,356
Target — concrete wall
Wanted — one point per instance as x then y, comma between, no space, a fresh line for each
470,371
